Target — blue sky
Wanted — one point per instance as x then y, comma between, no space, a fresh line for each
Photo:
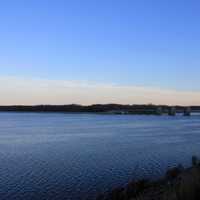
148,43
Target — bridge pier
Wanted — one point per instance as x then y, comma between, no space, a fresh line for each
187,111
159,111
172,111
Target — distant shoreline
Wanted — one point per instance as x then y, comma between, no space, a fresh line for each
102,109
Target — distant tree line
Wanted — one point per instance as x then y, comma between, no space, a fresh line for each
96,108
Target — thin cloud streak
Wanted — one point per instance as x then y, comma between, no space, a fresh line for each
24,91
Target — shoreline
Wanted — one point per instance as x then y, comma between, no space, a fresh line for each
112,109
178,183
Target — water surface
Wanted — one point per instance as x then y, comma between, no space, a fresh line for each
75,156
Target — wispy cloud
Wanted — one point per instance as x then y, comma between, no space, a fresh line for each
40,91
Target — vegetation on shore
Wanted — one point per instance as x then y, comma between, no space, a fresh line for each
177,184
99,108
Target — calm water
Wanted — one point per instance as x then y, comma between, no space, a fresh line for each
76,156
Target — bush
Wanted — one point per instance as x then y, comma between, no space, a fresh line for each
194,161
174,172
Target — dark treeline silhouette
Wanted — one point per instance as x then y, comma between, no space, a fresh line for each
96,108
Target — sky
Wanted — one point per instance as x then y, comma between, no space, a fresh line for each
99,51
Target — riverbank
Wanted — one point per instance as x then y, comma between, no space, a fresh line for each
177,184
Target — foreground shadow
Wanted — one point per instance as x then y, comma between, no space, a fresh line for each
177,184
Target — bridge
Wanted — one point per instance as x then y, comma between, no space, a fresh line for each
172,110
